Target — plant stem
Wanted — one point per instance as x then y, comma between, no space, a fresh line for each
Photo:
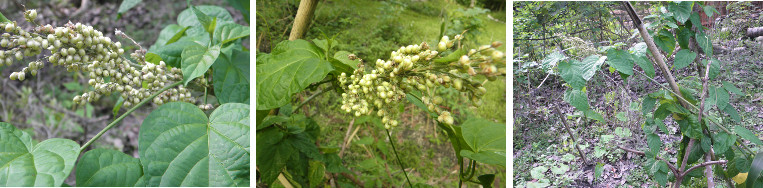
312,97
398,157
113,123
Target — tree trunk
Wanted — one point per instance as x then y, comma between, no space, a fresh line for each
302,19
754,32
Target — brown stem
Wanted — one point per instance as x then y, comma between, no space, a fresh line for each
672,168
703,165
679,176
577,144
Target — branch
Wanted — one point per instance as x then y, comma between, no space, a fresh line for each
703,165
564,122
673,168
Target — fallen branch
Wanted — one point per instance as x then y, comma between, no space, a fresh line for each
672,168
577,144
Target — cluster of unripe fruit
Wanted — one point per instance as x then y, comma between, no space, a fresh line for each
384,85
79,47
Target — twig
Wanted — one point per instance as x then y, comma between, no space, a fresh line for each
702,165
346,137
353,179
672,168
81,9
577,144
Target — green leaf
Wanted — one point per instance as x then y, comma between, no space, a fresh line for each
108,168
3,19
231,78
577,98
230,32
153,58
452,56
118,106
486,139
552,60
645,65
316,171
621,61
654,142
715,68
598,170
665,40
683,36
415,100
709,10
577,73
684,58
165,35
591,114
723,141
731,111
704,42
747,135
127,5
188,16
755,168
177,36
720,95
343,56
294,66
196,61
207,22
24,163
180,146
486,157
560,170
486,180
731,88
538,172
340,67
171,54
647,105
272,154
638,50
681,11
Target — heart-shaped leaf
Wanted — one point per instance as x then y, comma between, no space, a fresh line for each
25,164
293,66
108,168
231,78
196,60
179,146
487,140
684,58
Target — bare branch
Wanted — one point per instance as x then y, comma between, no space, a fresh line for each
672,168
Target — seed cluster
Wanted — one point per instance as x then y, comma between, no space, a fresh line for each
79,47
413,68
